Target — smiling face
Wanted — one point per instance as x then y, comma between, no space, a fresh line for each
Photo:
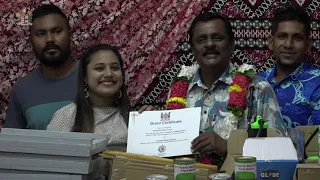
290,44
104,75
211,45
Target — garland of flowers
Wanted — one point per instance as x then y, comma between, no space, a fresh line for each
179,89
236,103
178,98
239,89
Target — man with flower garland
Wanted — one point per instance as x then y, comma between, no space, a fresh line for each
295,81
212,43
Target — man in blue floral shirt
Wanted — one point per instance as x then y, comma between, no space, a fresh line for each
295,81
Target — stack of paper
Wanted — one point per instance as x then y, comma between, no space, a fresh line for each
38,155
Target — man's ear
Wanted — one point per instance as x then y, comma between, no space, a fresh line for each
270,42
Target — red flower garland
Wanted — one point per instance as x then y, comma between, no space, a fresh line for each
242,80
206,160
236,103
236,99
238,94
179,89
178,95
175,105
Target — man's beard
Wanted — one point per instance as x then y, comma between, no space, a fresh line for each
53,61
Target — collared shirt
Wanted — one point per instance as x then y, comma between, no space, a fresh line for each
216,116
298,95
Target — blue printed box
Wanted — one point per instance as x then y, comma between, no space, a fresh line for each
276,157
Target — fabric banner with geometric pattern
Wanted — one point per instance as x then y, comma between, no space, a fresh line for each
151,36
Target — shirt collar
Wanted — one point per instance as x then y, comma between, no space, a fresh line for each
303,67
226,77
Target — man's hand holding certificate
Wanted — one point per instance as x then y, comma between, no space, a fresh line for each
163,133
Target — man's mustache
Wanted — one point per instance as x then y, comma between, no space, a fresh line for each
51,46
210,51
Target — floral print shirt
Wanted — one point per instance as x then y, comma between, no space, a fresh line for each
298,95
215,115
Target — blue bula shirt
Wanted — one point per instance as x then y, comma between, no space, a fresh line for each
298,95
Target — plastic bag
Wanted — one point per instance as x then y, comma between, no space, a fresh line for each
297,137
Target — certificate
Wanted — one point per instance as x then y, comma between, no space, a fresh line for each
163,133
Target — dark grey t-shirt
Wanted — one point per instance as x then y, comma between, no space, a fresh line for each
35,98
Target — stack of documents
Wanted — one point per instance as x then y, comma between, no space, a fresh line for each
39,155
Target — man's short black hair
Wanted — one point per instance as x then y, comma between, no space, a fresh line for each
209,16
47,9
291,12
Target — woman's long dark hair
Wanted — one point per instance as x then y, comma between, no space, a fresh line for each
84,120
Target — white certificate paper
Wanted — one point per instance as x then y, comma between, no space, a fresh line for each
163,133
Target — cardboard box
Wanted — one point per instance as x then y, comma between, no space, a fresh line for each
133,169
308,171
238,137
313,147
235,145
